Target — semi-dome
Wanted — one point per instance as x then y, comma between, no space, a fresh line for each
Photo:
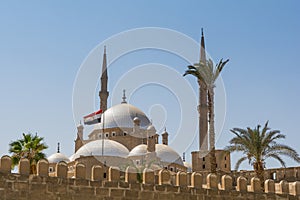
94,148
164,152
122,115
58,157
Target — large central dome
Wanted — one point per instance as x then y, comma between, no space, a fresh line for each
122,116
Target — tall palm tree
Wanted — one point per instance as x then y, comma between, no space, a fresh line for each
30,147
257,145
207,73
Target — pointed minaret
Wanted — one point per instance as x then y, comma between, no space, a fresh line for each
203,108
103,94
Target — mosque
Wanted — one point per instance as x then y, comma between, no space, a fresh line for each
126,137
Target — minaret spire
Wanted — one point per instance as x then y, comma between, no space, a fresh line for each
103,94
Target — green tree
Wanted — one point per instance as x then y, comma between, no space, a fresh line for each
207,73
30,147
257,145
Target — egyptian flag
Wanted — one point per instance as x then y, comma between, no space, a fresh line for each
93,118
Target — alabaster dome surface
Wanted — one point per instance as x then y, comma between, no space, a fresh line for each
139,150
167,154
57,157
122,116
94,148
71,158
164,152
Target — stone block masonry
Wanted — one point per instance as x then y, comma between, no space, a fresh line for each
24,186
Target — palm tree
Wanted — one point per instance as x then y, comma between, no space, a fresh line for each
258,145
30,147
206,73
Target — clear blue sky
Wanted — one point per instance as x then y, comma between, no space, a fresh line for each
43,43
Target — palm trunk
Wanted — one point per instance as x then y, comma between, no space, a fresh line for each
33,169
213,161
259,171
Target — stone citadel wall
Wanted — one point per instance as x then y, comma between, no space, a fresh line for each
157,185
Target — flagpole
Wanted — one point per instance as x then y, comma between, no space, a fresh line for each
103,134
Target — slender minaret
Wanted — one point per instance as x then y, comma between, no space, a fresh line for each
103,94
203,109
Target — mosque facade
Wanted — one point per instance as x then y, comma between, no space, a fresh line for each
126,137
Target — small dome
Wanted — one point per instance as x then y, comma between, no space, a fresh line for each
167,154
57,157
94,148
164,152
122,115
151,128
139,150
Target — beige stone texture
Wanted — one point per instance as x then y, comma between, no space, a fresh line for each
269,186
212,181
255,185
113,174
80,171
148,176
61,170
196,180
131,174
5,164
97,173
164,177
181,179
226,182
24,166
241,184
42,168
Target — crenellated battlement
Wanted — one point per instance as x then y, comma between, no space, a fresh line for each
114,184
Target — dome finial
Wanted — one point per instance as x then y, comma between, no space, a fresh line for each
124,97
58,151
183,157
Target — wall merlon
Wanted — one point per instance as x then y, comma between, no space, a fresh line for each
162,184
